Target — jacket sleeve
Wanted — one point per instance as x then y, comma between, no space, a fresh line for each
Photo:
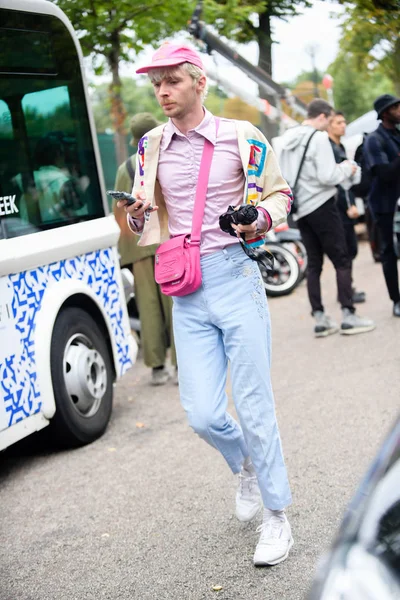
276,197
348,183
328,171
136,225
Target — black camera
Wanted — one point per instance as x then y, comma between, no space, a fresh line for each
244,215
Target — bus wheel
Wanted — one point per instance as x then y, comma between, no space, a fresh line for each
82,378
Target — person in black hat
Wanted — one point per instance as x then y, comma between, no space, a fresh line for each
382,152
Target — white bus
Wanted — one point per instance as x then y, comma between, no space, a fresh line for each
64,328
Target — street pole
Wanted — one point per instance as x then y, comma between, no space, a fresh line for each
311,50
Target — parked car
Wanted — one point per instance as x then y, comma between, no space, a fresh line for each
364,561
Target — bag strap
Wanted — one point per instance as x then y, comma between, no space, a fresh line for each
303,158
201,189
130,169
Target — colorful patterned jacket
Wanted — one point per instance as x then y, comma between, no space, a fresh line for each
264,187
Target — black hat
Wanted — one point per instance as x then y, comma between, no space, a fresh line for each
384,102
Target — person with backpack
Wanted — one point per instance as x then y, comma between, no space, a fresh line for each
345,199
309,165
155,309
382,152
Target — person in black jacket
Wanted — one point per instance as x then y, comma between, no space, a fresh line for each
345,199
382,151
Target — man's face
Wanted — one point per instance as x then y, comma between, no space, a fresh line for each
337,126
393,114
177,93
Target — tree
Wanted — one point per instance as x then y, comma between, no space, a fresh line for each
248,20
306,90
139,97
371,37
112,32
235,108
355,88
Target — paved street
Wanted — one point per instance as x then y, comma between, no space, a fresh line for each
146,512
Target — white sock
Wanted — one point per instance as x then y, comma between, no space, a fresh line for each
248,466
273,513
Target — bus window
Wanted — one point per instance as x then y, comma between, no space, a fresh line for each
48,173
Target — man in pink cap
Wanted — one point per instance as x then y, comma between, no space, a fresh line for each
227,318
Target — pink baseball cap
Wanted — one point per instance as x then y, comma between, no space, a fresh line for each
171,55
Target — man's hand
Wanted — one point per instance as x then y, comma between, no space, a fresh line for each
352,212
138,208
354,168
250,231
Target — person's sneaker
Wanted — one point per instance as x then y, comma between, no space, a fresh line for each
352,323
358,297
323,324
275,540
396,309
248,497
159,376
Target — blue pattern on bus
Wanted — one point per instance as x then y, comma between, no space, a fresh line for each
18,376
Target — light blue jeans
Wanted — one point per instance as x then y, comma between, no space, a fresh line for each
227,318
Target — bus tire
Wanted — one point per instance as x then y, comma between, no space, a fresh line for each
82,377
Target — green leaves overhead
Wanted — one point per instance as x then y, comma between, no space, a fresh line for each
371,37
134,23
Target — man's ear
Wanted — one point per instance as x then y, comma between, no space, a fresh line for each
201,84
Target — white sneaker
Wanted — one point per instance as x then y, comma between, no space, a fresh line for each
248,497
324,325
353,324
275,541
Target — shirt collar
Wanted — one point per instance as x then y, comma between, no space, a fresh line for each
389,132
206,128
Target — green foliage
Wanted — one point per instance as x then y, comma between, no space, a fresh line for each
139,97
216,100
371,37
308,76
235,18
136,98
102,25
355,89
58,120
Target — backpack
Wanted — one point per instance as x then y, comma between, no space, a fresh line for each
130,169
361,190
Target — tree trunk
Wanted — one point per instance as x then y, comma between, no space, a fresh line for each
118,112
396,67
265,43
271,129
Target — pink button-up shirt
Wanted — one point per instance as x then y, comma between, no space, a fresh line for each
178,171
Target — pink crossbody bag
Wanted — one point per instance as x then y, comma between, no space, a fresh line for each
177,261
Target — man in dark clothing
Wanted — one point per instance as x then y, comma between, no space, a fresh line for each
382,151
345,199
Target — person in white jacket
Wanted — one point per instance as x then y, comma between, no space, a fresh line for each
316,213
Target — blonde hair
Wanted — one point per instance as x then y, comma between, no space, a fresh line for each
157,75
